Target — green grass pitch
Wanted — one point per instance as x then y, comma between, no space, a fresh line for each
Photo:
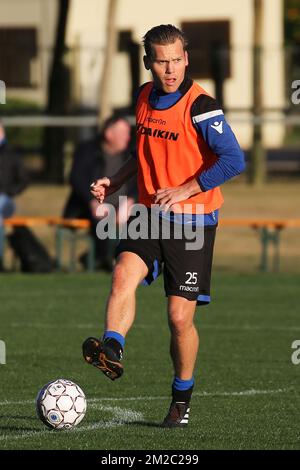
247,389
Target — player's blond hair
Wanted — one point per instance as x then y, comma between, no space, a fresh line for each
162,34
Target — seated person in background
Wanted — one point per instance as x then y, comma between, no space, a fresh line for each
103,155
13,180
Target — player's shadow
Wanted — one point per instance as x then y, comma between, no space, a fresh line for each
18,428
11,427
145,424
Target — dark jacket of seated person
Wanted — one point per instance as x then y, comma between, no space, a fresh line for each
93,159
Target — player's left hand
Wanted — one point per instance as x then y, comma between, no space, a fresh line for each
166,197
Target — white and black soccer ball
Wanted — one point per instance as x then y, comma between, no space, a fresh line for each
61,404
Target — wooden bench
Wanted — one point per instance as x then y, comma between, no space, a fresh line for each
72,230
269,231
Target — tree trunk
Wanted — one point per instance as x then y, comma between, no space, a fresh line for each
58,97
105,105
258,153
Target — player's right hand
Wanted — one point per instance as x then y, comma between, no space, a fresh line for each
99,189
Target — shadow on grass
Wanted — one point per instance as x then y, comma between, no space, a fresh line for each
145,424
18,429
18,417
11,427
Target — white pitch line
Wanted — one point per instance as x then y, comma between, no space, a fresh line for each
52,326
121,417
249,328
153,398
18,402
87,326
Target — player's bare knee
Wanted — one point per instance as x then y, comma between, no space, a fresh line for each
122,282
119,278
179,322
128,273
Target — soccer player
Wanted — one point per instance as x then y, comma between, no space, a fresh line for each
185,151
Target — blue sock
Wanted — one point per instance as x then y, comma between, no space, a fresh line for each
182,385
117,336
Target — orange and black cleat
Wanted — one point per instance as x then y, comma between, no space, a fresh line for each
100,355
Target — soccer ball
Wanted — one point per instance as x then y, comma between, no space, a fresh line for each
61,404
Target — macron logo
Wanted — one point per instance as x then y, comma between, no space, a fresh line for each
218,126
